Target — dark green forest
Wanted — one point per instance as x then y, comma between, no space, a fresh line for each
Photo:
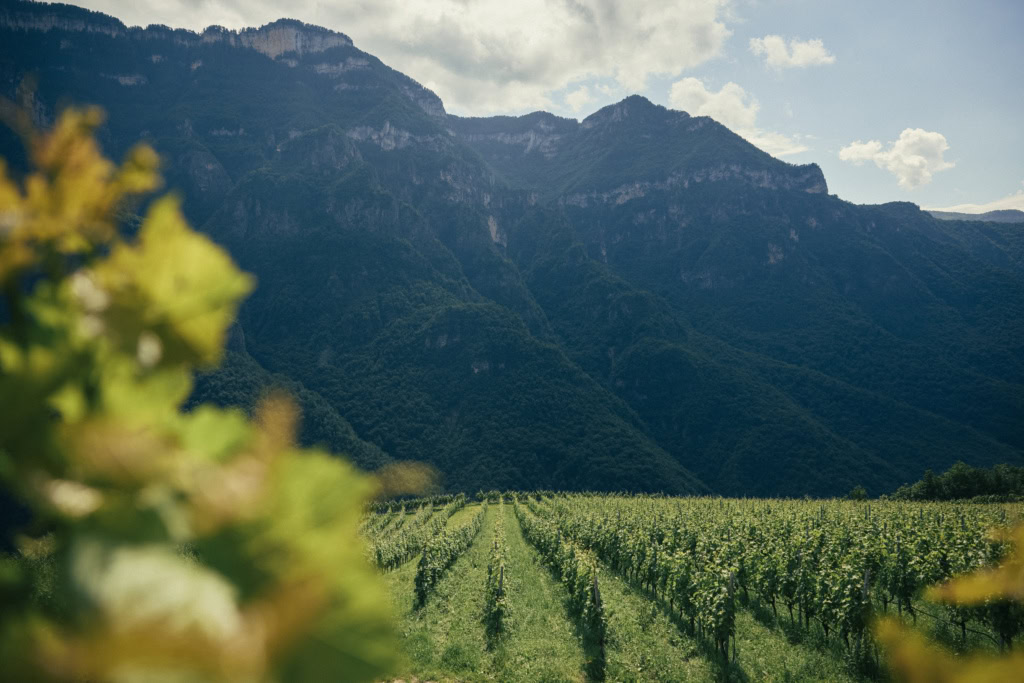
963,482
640,301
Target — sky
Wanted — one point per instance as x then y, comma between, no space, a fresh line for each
908,100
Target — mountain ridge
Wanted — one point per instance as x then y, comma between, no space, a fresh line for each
299,36
640,300
997,216
551,136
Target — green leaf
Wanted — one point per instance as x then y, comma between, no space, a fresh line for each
176,284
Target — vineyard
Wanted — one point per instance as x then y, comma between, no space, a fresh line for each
592,587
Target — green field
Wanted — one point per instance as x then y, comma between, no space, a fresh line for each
660,561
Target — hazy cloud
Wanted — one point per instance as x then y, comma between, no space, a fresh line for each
913,158
798,54
579,98
734,108
1013,201
487,56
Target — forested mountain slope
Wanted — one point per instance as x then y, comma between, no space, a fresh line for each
641,300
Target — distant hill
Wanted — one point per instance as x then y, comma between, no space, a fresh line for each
1000,216
639,301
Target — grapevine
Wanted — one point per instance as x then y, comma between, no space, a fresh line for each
440,553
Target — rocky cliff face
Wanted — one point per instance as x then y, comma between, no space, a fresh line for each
274,39
286,41
281,37
808,179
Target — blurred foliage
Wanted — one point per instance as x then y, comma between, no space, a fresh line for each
914,658
167,545
399,479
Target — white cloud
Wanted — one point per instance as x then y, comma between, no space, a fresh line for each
1013,201
579,98
488,56
734,108
798,54
776,144
913,158
858,152
730,106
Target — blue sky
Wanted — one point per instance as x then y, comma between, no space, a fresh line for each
896,100
949,67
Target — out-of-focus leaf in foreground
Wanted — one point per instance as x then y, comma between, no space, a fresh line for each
167,545
915,659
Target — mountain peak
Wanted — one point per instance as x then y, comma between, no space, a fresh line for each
635,100
631,107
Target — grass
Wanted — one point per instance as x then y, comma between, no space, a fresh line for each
540,643
644,643
446,639
767,653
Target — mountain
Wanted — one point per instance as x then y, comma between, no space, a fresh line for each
242,382
641,300
1000,216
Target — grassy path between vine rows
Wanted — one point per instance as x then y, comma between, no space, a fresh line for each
541,643
766,653
644,643
647,643
446,641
